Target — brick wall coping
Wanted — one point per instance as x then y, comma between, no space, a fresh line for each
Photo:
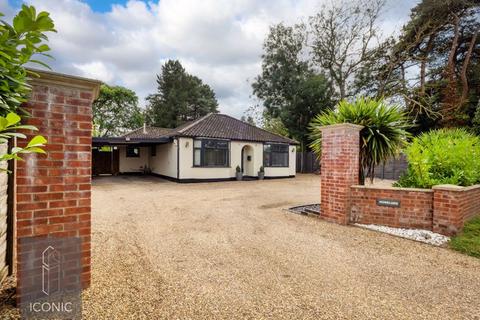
392,188
452,187
55,78
341,126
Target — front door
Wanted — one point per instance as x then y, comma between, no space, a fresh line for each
247,161
243,160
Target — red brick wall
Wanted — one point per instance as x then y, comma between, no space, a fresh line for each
53,190
340,166
415,211
453,206
444,209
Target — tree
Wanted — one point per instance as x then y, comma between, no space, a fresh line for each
476,120
343,37
438,48
248,119
116,111
384,130
181,97
288,88
275,125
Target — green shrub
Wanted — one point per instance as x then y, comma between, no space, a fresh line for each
19,43
446,156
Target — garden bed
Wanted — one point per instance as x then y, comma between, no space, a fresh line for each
425,236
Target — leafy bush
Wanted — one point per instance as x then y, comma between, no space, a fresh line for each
19,42
8,125
446,156
383,134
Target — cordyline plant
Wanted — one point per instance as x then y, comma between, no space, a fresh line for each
384,130
19,42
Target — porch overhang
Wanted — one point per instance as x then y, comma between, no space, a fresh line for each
118,141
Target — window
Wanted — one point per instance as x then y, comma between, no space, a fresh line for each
211,153
275,155
133,152
153,151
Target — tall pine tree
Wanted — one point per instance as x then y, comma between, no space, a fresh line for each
180,98
288,88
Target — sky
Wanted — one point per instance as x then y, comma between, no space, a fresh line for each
125,42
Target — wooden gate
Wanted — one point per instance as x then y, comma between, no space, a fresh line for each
105,162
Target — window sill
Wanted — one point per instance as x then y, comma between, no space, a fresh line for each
211,166
276,166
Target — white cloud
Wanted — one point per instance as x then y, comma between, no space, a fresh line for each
97,70
218,40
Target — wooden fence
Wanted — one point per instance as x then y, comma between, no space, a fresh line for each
310,163
392,169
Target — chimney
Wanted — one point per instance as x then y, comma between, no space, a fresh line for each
144,128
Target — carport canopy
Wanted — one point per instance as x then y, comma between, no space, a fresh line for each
106,160
119,141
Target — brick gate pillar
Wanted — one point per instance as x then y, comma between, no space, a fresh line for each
339,167
53,189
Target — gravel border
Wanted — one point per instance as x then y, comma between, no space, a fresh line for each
421,235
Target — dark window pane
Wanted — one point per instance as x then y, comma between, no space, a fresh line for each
215,157
208,143
279,159
275,155
222,144
279,148
133,152
266,160
213,153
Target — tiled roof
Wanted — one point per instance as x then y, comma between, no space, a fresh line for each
214,125
149,132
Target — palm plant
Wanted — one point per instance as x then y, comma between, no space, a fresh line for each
383,135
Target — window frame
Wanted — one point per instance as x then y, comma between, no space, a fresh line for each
129,155
153,150
202,153
269,165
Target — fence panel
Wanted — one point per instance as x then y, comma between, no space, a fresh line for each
392,169
310,163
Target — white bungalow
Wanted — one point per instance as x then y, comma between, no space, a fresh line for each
208,149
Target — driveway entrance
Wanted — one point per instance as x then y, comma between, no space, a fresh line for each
228,250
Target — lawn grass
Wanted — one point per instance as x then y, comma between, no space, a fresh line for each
468,241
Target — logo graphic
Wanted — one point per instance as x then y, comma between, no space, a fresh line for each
50,278
50,271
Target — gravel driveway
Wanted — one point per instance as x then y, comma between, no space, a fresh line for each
163,250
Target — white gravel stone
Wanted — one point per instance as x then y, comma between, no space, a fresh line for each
426,236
